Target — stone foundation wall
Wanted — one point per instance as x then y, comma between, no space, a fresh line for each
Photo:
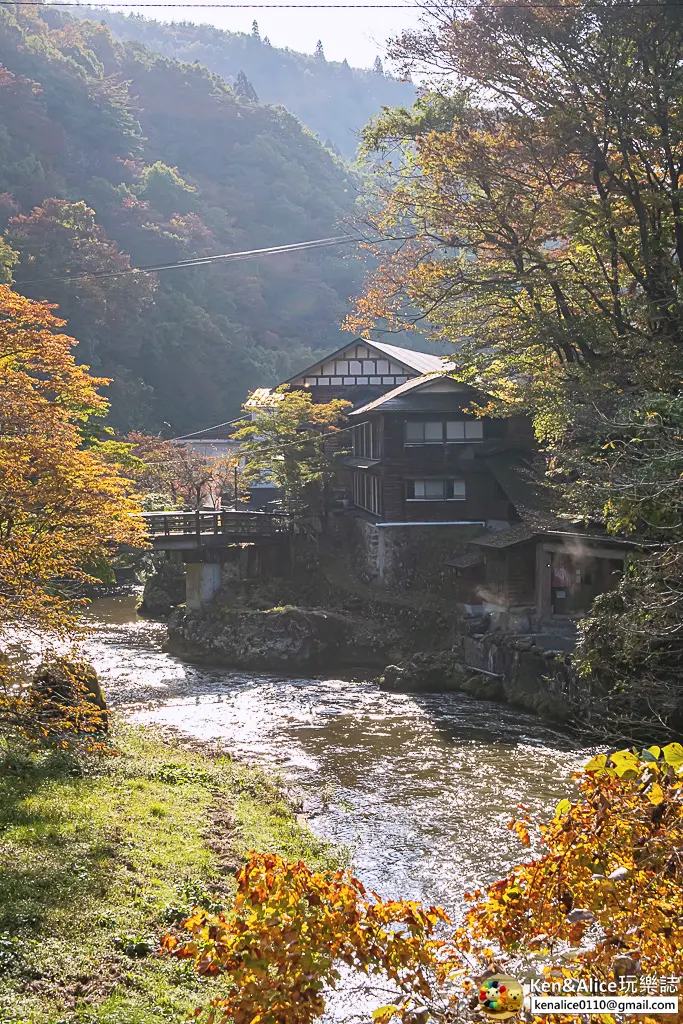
542,681
401,557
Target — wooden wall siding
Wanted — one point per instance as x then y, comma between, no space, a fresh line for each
510,576
356,365
321,395
401,462
521,574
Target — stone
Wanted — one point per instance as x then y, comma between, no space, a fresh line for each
164,590
426,672
70,681
289,639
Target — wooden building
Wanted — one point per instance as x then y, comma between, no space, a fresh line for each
421,455
359,372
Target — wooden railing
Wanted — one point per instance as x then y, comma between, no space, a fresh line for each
201,523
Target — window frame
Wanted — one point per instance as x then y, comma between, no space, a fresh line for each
471,426
447,483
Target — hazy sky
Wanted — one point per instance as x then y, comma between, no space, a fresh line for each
358,35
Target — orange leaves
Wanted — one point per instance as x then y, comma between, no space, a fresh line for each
611,879
289,930
61,504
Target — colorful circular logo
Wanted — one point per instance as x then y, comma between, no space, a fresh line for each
500,996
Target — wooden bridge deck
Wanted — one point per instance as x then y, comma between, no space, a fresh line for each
178,530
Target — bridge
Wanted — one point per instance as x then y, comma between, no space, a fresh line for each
178,531
207,539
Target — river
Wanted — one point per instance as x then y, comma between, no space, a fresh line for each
419,787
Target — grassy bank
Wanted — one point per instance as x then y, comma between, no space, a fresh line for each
98,857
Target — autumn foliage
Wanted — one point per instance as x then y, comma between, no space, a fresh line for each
62,504
601,899
65,504
290,931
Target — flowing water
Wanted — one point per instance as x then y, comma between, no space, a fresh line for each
420,787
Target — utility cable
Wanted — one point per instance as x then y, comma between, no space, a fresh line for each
589,4
199,261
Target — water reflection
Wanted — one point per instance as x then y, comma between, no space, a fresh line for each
420,786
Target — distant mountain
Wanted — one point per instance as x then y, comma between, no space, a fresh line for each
332,99
111,155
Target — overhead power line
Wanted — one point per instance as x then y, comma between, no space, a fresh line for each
590,4
200,261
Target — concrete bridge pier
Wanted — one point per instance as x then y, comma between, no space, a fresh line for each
202,580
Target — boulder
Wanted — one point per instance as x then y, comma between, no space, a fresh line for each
431,672
289,639
164,590
67,683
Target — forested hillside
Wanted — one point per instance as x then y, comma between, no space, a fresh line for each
333,99
111,155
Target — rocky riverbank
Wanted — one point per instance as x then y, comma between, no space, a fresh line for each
327,629
286,639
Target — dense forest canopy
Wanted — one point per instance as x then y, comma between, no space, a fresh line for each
332,98
112,156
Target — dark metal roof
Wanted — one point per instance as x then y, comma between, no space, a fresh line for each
409,397
356,462
518,534
521,533
221,432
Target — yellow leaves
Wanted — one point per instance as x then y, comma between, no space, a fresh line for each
655,794
626,764
383,1014
64,506
673,755
564,807
596,763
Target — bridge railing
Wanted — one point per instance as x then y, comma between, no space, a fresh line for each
200,523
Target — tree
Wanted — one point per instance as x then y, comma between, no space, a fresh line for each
286,443
605,889
59,240
319,52
179,476
289,932
245,89
377,66
66,503
537,199
625,462
255,29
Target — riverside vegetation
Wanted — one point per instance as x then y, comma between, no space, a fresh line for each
102,855
566,264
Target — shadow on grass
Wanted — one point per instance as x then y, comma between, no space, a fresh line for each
49,864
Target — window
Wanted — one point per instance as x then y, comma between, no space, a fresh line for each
366,440
435,490
436,431
367,492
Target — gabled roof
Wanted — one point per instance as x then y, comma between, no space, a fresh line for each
423,362
394,400
420,362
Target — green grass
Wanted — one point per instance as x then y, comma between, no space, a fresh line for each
99,855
